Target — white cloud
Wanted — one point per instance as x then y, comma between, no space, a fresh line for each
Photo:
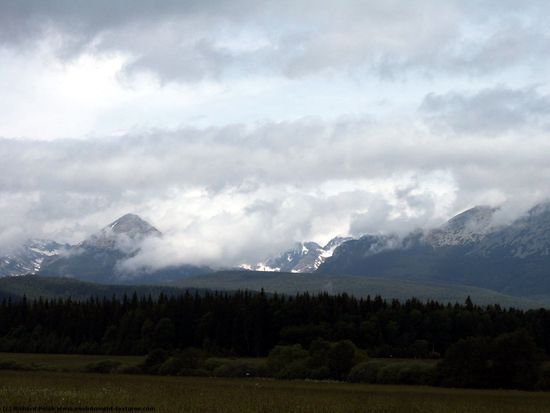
239,127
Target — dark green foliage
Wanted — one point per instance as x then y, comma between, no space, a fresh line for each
154,360
13,365
281,357
189,361
391,372
323,360
104,366
314,336
544,383
508,361
417,373
241,368
516,361
366,372
341,359
163,335
466,364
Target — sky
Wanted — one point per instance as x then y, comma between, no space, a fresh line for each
239,127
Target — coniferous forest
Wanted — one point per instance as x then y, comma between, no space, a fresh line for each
315,336
251,324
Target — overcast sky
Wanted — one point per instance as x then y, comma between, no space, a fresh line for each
239,127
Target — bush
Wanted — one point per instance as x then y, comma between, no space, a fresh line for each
154,360
13,365
509,361
282,356
516,361
191,358
128,369
103,366
296,370
184,362
240,368
365,372
213,363
417,373
389,374
171,367
321,373
544,383
341,359
407,372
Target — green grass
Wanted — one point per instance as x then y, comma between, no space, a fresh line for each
185,394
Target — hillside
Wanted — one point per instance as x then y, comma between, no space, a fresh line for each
33,286
289,283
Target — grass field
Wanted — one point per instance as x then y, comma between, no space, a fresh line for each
58,381
187,394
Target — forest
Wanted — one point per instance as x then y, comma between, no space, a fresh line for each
319,336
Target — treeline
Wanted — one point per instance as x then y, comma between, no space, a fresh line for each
252,324
510,360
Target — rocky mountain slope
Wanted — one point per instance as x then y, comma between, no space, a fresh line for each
28,258
469,249
97,258
304,257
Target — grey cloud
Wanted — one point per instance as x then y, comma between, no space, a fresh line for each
187,40
491,111
268,184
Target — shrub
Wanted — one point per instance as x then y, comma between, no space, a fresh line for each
128,369
389,374
240,368
407,372
191,358
509,361
13,365
320,373
103,366
341,359
171,367
154,360
544,382
213,363
296,370
417,373
365,372
282,356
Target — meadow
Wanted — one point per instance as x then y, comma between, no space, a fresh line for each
200,394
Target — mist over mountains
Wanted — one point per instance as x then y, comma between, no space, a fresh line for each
473,248
101,257
468,249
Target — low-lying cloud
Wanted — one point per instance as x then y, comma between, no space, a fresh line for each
233,194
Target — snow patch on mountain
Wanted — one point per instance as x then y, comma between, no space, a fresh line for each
28,258
304,257
468,227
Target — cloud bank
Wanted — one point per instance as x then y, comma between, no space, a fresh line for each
240,127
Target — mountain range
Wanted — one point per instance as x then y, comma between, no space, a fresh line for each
304,257
471,249
98,258
28,258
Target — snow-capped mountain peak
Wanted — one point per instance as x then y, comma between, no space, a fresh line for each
28,258
128,229
467,227
303,257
